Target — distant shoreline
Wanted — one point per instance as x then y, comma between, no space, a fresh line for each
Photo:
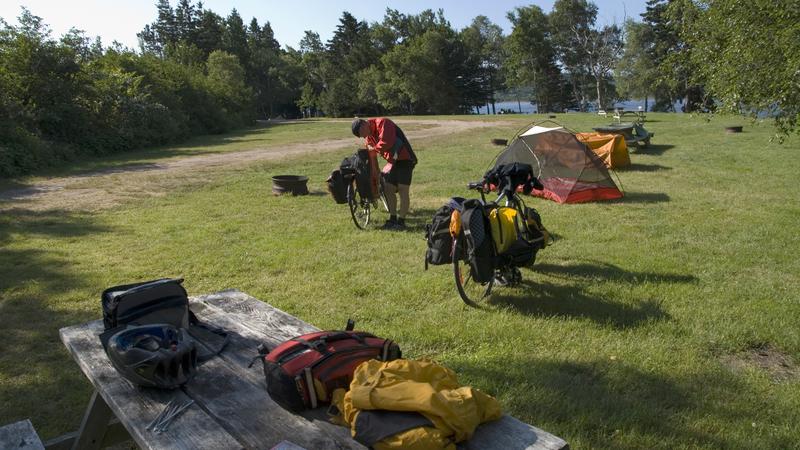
524,107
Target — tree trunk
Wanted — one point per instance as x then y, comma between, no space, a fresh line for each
597,85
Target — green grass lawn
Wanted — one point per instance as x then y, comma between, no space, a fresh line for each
668,319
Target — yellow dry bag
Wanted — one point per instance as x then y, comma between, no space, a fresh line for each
504,227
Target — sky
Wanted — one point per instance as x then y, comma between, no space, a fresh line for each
120,20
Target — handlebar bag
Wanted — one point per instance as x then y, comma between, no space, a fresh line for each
157,301
162,301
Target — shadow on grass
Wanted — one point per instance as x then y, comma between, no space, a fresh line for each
654,149
121,162
642,197
47,385
548,299
599,399
595,270
646,168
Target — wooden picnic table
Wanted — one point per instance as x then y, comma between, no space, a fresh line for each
626,129
232,409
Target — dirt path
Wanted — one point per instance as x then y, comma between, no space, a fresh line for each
107,188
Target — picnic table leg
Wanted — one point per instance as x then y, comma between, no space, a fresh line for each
94,425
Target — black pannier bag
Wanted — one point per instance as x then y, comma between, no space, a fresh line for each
437,234
357,166
480,251
337,186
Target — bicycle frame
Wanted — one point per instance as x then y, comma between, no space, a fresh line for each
506,272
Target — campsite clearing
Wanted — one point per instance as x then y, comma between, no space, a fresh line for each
640,328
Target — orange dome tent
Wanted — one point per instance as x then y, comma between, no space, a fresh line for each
611,148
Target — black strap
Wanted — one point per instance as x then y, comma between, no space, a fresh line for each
398,144
195,322
316,345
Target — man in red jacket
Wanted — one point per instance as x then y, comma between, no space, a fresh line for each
387,139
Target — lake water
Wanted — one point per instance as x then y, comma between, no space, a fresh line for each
528,108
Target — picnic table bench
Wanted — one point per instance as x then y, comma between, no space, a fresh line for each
232,409
639,116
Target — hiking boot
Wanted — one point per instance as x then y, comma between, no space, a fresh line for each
500,280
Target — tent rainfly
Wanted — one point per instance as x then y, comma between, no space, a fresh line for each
568,169
611,148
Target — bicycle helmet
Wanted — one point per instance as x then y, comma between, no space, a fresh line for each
157,355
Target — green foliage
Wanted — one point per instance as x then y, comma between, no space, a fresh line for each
571,21
532,58
636,73
749,58
424,71
485,53
226,82
667,21
199,72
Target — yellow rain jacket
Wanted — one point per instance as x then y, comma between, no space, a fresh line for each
392,393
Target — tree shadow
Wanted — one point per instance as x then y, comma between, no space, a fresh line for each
646,168
547,299
642,197
48,386
121,162
55,223
597,399
594,270
654,149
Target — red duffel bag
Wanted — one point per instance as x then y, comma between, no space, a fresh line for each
302,372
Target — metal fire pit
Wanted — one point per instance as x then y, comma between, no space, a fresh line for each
289,184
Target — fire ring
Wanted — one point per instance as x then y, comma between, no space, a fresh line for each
289,184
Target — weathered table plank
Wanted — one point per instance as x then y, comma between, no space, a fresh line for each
137,407
20,436
245,337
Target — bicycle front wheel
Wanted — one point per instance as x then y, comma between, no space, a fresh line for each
359,207
469,290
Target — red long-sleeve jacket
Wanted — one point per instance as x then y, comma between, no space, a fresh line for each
383,136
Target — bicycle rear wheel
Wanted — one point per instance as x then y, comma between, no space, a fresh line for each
469,290
359,206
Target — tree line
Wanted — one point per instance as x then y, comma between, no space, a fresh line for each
198,72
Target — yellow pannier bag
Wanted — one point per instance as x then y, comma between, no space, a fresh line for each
408,404
504,230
